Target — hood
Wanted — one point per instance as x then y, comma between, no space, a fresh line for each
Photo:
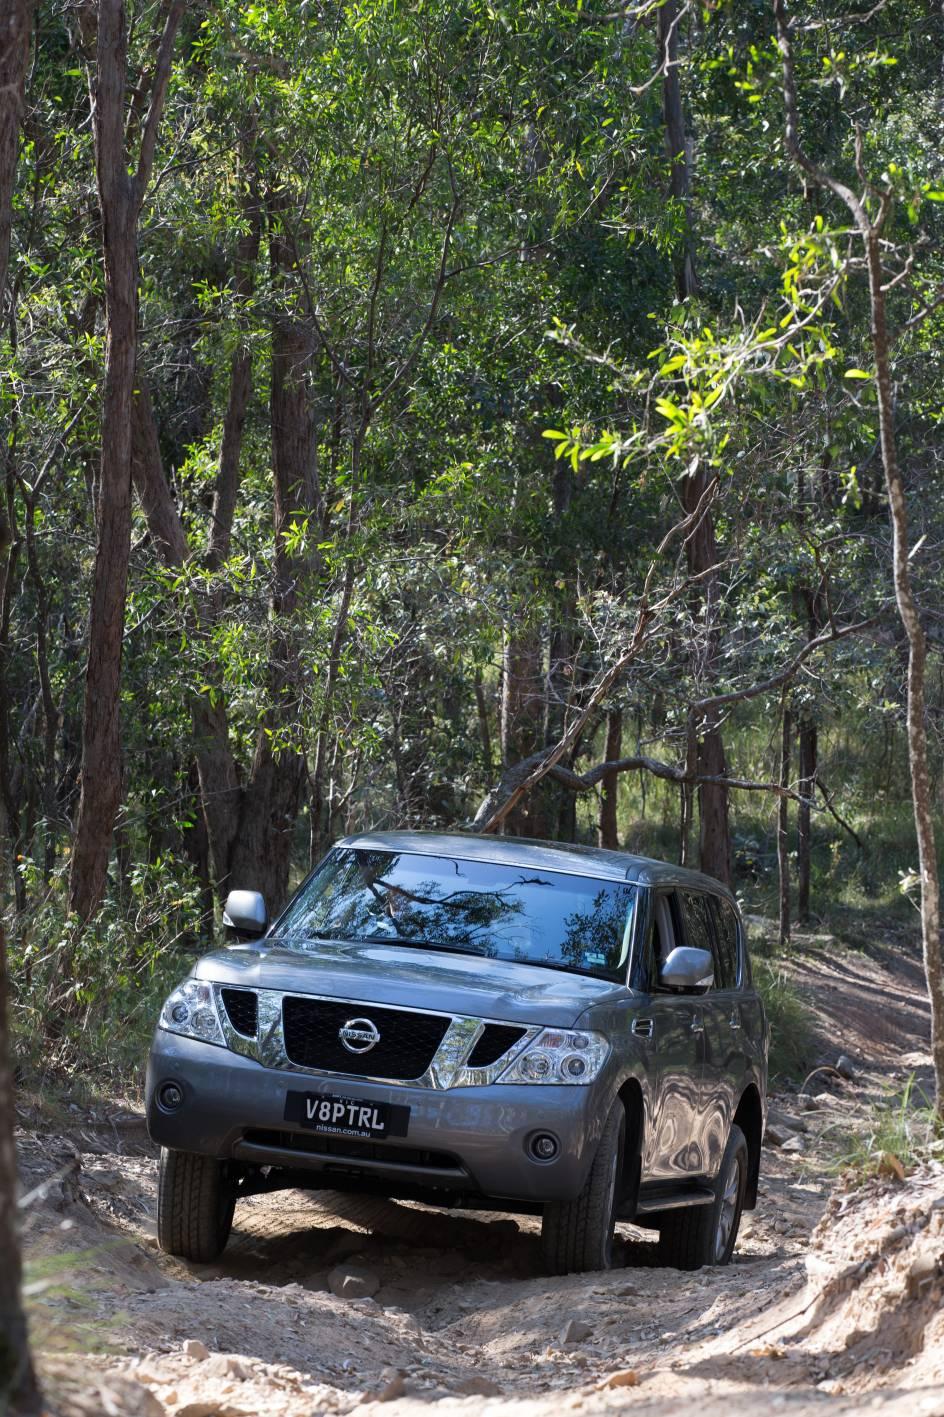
376,973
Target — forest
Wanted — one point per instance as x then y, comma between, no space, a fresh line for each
518,418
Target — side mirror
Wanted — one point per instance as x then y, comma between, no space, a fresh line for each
688,969
245,914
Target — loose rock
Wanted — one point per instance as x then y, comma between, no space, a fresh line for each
575,1331
625,1377
353,1282
193,1348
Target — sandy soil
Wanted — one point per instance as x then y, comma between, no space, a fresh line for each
833,1301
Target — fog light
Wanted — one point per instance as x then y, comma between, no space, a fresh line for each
544,1146
170,1096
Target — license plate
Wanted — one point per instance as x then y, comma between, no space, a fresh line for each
346,1116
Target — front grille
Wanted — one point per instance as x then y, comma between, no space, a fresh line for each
349,1149
494,1042
408,1041
242,1010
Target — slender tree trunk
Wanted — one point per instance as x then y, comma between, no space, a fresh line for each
714,841
607,826
101,735
485,731
263,846
120,196
16,28
676,142
18,1388
871,234
783,827
808,747
240,388
916,715
522,716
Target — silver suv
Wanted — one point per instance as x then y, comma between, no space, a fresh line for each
472,1021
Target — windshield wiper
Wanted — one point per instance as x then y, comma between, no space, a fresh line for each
421,944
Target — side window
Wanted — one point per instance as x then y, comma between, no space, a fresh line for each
698,923
663,935
726,934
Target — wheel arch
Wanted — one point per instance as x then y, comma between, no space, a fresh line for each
750,1118
631,1096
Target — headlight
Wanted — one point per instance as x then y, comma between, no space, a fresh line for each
558,1056
191,1010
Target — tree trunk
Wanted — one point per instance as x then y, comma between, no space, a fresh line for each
263,846
100,794
917,657
522,718
120,197
676,142
240,387
783,827
714,841
16,27
871,235
607,826
18,1389
808,749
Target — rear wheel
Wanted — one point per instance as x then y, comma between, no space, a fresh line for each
706,1234
577,1235
196,1196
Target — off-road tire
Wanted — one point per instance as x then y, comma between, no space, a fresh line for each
195,1201
693,1236
577,1235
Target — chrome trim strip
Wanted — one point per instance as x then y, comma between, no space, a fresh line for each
447,1069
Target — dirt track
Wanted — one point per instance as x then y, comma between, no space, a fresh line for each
462,1316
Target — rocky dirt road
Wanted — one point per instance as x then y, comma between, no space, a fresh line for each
329,1303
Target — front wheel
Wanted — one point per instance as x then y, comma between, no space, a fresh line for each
706,1234
196,1197
577,1235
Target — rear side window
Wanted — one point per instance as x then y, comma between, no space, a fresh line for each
726,934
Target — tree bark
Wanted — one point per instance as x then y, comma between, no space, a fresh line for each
607,826
676,142
16,28
714,840
783,827
18,1388
263,846
240,387
808,749
522,717
120,196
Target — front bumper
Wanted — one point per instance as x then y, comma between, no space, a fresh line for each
465,1139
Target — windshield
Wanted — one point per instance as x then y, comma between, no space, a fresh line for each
475,907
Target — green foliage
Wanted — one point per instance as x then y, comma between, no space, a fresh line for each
465,208
791,1033
902,1130
102,987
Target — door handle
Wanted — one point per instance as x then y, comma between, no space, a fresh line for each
735,1019
642,1027
698,1024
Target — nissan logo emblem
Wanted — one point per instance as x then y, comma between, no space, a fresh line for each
359,1035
